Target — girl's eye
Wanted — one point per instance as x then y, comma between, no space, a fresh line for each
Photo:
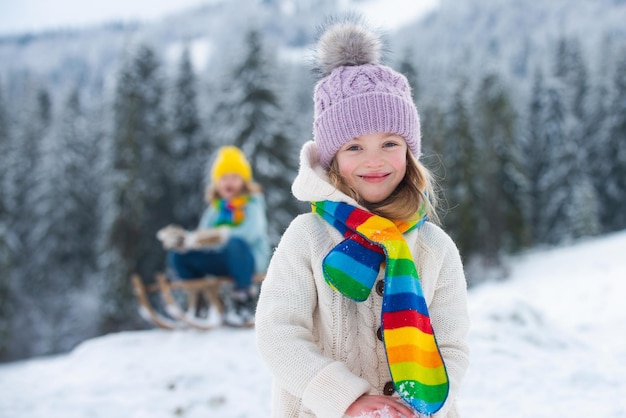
352,148
390,144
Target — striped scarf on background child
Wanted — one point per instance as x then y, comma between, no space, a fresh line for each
231,212
414,360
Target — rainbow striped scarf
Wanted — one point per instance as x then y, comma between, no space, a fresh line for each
231,212
415,363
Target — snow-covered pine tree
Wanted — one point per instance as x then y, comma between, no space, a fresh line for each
27,279
536,159
581,211
596,135
5,250
613,184
67,191
460,158
4,149
65,206
252,118
32,124
138,197
6,305
551,185
34,233
570,68
191,146
122,208
501,185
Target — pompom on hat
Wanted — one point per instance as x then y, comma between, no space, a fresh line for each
230,160
358,95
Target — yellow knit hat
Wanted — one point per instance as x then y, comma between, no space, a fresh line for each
231,160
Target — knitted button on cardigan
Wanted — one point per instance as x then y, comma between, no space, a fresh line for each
321,347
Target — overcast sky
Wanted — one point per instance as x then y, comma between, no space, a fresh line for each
19,16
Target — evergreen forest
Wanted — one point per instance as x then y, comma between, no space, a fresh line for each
528,149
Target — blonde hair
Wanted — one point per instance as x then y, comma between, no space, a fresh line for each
417,188
249,187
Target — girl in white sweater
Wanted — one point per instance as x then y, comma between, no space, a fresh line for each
364,306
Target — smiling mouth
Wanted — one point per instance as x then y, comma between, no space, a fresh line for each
374,177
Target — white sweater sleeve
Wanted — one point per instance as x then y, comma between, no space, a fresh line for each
286,337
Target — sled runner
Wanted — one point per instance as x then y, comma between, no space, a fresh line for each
146,310
197,303
198,293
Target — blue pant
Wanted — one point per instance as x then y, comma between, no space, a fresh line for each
234,259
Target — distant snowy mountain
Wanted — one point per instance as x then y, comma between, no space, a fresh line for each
211,30
512,37
509,34
90,56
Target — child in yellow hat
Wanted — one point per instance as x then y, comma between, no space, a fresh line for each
231,239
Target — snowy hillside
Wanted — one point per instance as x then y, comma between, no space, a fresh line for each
512,37
548,342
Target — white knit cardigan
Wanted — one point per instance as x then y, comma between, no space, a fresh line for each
321,347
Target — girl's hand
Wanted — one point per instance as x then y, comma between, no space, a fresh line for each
368,405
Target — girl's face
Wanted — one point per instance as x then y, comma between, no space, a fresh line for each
229,186
373,165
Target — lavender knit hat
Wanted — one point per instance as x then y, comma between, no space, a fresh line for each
358,95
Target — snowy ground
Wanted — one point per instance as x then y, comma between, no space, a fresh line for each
549,342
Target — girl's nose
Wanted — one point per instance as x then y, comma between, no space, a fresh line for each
373,159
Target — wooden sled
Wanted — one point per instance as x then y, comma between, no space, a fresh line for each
196,303
146,310
208,288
